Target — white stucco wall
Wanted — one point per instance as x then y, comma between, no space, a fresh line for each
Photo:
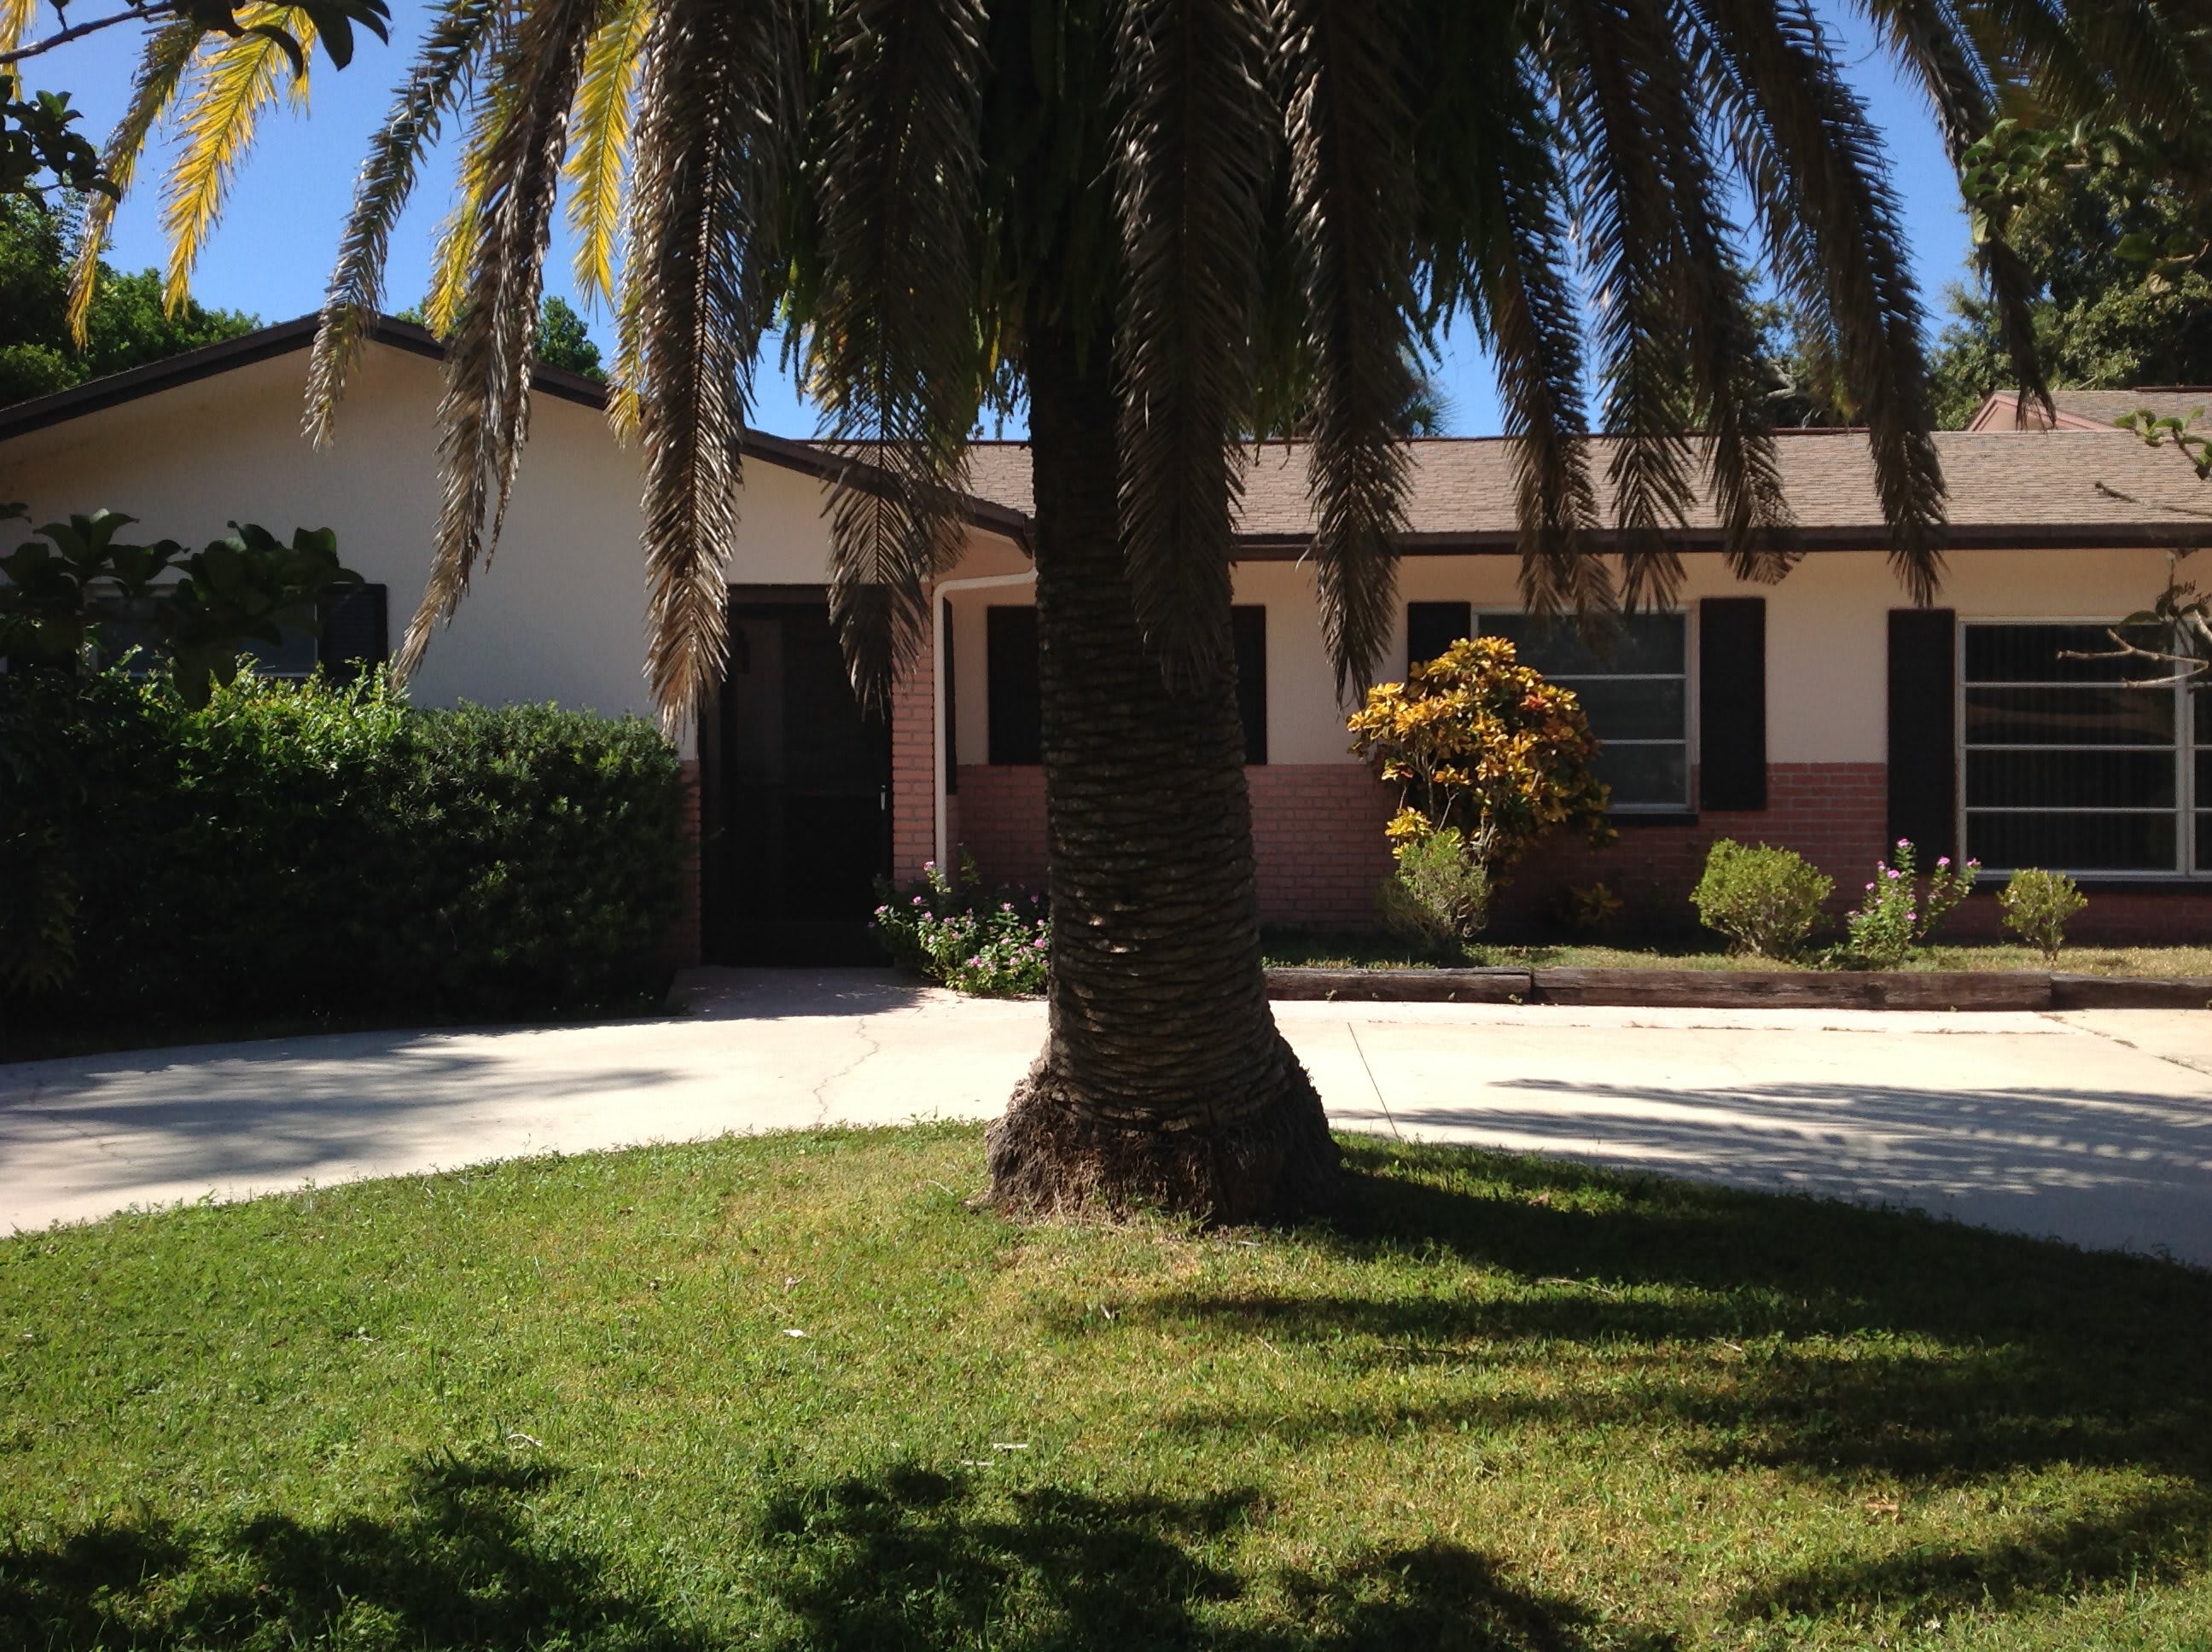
558,614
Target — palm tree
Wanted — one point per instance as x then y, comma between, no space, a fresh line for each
1162,222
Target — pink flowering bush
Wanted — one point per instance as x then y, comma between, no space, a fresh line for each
947,930
1899,912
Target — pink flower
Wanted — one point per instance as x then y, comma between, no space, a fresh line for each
1005,906
917,900
1942,860
1869,885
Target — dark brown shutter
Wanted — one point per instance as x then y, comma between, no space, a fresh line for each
951,701
1924,776
1010,639
356,635
1433,627
1732,703
1250,625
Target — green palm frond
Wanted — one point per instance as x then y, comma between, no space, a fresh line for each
1518,276
458,38
170,53
718,113
484,416
1819,185
237,80
1600,59
1196,149
1350,183
894,342
600,147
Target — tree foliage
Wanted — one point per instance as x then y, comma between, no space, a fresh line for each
2114,228
126,326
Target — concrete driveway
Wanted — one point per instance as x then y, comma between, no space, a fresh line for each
2094,1126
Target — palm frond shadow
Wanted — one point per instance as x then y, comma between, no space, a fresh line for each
914,1558
1991,1352
460,1566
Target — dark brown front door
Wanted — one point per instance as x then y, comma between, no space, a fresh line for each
798,808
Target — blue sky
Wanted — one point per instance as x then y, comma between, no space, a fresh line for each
274,248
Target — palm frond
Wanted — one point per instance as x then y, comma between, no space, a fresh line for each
458,38
600,148
1708,294
484,416
1519,275
163,66
718,112
16,17
1195,149
1927,39
461,228
895,353
1349,189
1817,179
1601,56
236,83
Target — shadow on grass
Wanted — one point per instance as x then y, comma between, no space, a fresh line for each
914,1559
1834,1344
460,1566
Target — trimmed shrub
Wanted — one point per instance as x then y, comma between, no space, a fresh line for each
1765,899
1439,897
947,931
2037,905
314,851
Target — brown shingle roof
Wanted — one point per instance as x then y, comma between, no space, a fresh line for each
2006,487
2094,410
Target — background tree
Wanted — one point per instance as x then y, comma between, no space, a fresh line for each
2114,227
1156,220
126,324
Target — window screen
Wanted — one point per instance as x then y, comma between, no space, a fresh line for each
1637,697
2063,765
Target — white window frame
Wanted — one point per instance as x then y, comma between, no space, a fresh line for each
2187,853
1686,803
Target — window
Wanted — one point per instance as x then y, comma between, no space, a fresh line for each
1251,629
1010,665
2063,765
1638,700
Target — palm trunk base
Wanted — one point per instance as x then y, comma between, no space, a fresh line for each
1051,1155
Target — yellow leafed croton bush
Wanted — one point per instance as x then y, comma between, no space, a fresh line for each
1486,752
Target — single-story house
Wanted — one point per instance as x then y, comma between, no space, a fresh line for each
1825,713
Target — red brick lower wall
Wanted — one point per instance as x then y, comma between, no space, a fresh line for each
1318,832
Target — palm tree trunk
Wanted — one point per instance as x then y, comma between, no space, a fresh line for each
1163,1080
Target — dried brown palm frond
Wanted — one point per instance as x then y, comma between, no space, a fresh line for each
1349,205
719,103
483,414
894,348
460,37
1196,150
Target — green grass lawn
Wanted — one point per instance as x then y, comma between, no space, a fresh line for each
1496,1405
1321,949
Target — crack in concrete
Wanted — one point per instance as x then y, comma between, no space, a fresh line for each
2181,1061
870,1049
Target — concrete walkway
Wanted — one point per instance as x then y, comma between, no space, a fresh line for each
2094,1126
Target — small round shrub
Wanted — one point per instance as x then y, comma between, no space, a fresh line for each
2037,905
1439,897
1765,899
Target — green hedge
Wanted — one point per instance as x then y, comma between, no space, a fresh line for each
327,852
